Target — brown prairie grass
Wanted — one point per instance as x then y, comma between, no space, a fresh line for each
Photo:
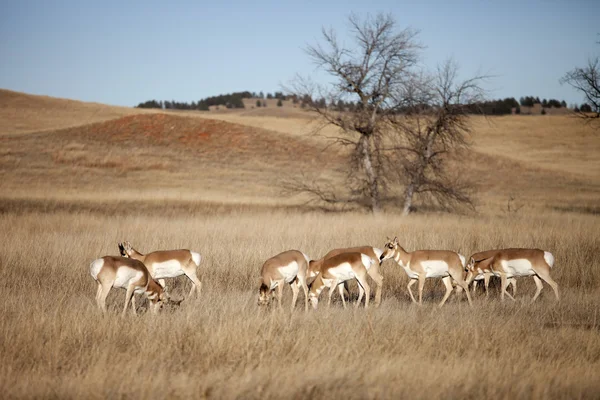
55,343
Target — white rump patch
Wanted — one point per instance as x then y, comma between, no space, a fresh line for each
167,269
549,258
95,267
196,258
462,260
378,253
307,258
435,268
289,272
367,261
344,271
517,267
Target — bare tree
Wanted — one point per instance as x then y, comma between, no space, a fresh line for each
431,127
377,64
587,81
405,125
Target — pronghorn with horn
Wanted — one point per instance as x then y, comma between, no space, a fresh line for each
129,274
291,267
167,264
476,271
422,264
372,269
338,269
509,264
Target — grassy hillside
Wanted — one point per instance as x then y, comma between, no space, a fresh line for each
157,156
25,113
244,156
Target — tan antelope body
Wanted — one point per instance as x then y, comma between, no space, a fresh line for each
478,270
513,263
372,270
168,264
129,274
422,264
338,269
288,267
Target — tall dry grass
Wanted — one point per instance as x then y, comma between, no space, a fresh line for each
55,343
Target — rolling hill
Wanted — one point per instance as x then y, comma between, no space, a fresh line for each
26,113
93,152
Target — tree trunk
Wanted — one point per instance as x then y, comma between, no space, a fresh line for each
408,197
373,186
417,177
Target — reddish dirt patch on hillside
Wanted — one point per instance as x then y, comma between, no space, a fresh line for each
170,150
165,129
212,138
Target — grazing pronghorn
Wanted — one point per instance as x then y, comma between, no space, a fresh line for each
476,271
372,270
338,269
291,267
125,273
167,264
422,264
512,263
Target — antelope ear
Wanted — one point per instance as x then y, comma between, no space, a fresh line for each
395,239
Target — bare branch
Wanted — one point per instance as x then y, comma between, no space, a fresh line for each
587,81
317,192
367,73
434,124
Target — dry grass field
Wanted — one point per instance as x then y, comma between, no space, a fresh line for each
208,182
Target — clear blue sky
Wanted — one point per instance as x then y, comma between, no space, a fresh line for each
125,52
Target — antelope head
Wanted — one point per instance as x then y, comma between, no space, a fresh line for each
264,295
389,249
125,249
472,271
167,299
156,295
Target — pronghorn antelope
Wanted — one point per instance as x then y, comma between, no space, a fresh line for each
512,263
372,269
338,269
478,269
125,273
291,267
167,264
422,264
